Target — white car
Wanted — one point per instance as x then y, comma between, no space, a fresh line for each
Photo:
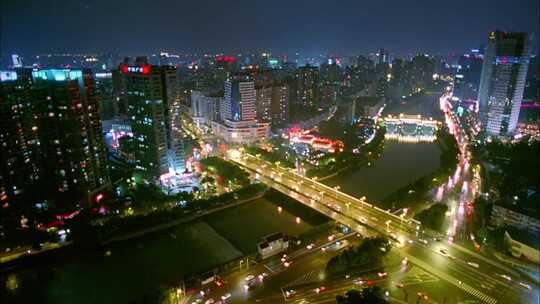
249,278
472,264
506,277
210,301
225,297
524,285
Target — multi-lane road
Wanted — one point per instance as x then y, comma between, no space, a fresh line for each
484,279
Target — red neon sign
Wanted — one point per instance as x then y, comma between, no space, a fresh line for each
225,59
136,69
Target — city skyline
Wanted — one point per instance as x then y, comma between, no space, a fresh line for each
336,152
314,28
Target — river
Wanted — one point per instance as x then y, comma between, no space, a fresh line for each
400,163
136,268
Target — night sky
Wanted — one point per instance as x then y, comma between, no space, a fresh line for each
345,27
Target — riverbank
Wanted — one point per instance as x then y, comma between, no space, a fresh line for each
122,234
138,268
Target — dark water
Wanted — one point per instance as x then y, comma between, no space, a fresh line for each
136,267
399,165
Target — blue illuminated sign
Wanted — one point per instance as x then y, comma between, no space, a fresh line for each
57,75
8,76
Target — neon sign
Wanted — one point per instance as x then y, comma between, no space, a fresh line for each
8,76
135,69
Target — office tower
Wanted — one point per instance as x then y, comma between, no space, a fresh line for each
307,86
104,88
151,95
504,72
16,61
239,101
264,103
238,113
419,73
273,103
279,107
383,56
204,108
51,138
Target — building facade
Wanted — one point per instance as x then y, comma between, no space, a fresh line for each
51,138
238,113
504,73
307,86
151,96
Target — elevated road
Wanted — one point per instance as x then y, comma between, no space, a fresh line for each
489,282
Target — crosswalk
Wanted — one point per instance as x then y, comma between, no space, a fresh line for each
308,277
464,286
478,294
419,279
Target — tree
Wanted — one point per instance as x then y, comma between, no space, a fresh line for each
433,217
370,251
368,295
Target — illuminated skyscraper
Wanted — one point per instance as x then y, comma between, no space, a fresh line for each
50,135
239,101
151,94
307,86
502,82
238,113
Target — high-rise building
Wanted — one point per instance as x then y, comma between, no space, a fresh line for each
204,108
239,102
264,103
419,73
151,95
307,86
504,72
279,107
238,113
273,103
383,56
51,137
108,106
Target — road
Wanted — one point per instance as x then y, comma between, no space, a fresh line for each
487,283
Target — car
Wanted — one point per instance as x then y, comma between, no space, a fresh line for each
198,301
381,274
288,263
422,296
525,285
290,292
444,251
210,301
472,264
359,281
405,261
331,237
506,277
425,242
320,289
249,278
323,249
225,297
310,246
